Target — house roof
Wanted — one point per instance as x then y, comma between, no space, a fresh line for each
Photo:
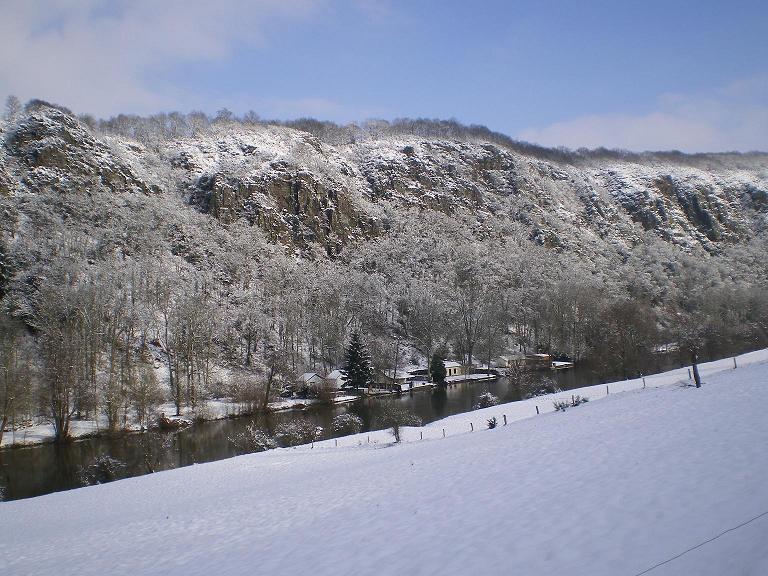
309,376
452,364
335,375
398,374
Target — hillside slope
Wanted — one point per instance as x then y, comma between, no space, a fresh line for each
615,486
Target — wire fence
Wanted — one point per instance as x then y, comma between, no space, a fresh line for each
487,418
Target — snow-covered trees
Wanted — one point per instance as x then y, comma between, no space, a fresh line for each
347,424
395,417
437,369
357,363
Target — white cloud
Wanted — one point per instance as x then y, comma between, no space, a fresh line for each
100,56
731,118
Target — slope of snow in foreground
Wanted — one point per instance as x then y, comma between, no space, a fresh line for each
612,487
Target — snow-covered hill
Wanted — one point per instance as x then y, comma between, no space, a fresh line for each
616,486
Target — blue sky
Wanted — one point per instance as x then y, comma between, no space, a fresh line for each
638,75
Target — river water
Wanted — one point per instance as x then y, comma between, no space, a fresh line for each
32,471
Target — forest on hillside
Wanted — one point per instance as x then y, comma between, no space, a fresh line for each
112,303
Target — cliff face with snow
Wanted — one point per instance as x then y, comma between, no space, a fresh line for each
316,198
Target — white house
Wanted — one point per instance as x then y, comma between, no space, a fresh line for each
310,379
453,368
336,380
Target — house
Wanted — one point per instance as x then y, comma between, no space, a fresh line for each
336,380
453,368
310,379
309,382
538,360
388,377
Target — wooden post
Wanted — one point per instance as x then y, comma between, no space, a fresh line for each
336,440
505,419
443,432
369,439
689,373
606,390
572,399
734,363
421,435
471,427
537,409
643,381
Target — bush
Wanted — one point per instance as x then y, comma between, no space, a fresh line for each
296,432
101,470
394,417
561,405
541,388
492,423
576,400
347,424
486,400
253,439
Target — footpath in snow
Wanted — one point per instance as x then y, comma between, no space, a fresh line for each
612,487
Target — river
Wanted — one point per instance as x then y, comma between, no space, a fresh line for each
37,470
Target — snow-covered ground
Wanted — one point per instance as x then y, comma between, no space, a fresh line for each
615,486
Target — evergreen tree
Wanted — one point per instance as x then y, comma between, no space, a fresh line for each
357,363
437,369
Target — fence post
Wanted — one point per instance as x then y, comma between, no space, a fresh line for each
471,427
606,390
734,363
689,373
643,381
336,441
443,432
537,409
572,399
421,435
505,419
369,439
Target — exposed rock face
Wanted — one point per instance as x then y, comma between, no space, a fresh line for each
315,198
55,150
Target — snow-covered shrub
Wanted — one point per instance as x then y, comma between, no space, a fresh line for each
347,424
492,423
542,388
101,470
253,439
561,405
394,416
576,400
296,432
486,400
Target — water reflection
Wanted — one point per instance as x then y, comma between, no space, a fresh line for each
42,469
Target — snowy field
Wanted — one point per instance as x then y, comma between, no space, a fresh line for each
612,487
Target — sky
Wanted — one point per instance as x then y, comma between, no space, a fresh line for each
650,75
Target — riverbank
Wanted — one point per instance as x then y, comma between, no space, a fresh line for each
209,411
616,486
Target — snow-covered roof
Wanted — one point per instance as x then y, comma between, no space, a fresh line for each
335,375
398,374
309,376
452,364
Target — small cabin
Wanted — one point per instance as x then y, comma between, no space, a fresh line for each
336,380
453,368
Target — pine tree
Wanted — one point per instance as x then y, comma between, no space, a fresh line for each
437,369
357,363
